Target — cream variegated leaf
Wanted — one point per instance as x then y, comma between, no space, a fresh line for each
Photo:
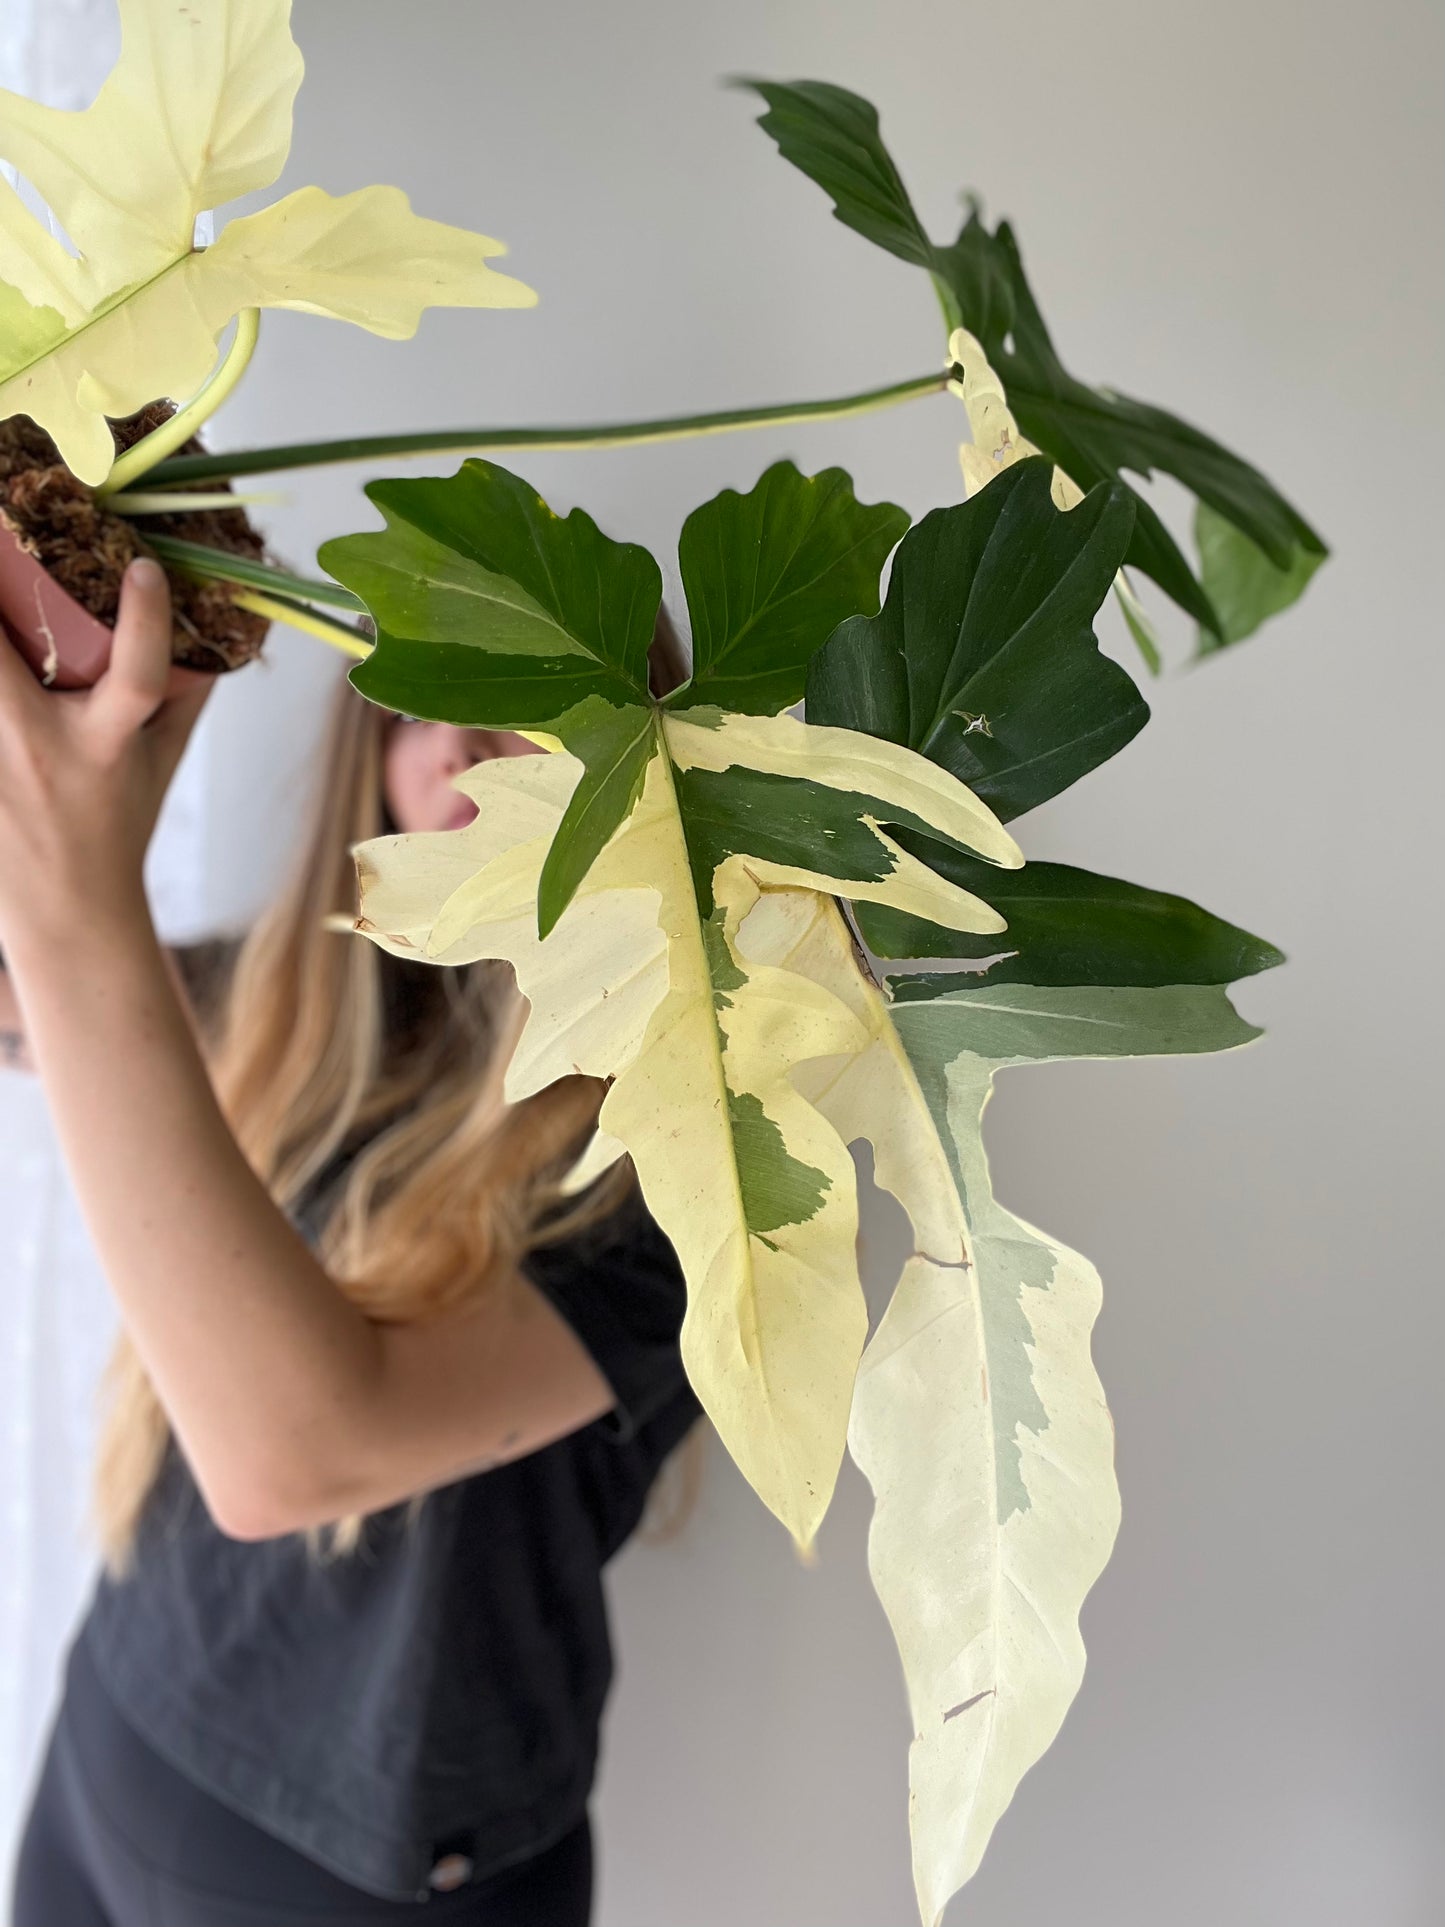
983,1598
199,104
753,1184
997,441
457,896
978,1417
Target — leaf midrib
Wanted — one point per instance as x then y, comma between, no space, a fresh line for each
103,313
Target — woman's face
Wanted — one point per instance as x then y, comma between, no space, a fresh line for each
419,761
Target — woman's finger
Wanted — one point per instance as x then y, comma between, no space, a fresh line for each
133,686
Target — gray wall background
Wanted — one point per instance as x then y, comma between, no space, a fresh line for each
1232,210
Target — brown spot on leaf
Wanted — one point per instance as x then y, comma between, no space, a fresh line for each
963,1705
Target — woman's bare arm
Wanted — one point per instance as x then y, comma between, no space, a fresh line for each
15,1045
291,1405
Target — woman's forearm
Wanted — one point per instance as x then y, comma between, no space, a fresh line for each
265,1369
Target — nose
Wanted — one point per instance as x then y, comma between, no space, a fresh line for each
458,751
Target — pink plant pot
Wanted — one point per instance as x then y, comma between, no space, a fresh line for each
65,645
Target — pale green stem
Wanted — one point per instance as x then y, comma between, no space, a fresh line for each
153,449
181,501
336,633
460,441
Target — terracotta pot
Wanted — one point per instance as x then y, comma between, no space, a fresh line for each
65,645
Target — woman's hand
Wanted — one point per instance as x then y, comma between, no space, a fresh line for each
83,772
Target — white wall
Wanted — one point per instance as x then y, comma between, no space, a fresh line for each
1233,210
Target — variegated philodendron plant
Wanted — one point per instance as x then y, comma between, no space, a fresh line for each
685,889
694,891
680,888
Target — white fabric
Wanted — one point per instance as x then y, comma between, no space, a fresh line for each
56,1315
57,1330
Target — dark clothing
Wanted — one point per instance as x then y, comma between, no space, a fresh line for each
437,1692
119,1838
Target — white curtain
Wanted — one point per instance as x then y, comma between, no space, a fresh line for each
56,1316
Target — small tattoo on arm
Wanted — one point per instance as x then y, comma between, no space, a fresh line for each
13,1054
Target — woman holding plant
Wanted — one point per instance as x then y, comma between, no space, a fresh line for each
682,896
389,1398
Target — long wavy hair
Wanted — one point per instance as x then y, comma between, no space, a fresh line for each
369,1089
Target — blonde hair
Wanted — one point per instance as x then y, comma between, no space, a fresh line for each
327,1051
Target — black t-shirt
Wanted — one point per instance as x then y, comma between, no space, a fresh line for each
439,1690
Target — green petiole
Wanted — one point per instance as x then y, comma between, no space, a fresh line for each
219,565
175,433
340,635
459,441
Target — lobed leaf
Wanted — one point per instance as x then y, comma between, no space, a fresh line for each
768,575
832,136
1093,434
753,1186
491,609
1245,585
984,658
1072,926
978,1418
201,112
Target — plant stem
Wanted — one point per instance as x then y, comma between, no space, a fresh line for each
265,461
340,635
187,501
153,449
219,565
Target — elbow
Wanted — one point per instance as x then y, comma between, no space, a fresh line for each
252,1509
249,1516
246,1529
308,1475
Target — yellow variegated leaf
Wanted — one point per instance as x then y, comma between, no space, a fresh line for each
773,1367
362,257
199,107
195,113
978,1419
457,896
751,1182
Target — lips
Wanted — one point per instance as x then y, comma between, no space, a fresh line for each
464,813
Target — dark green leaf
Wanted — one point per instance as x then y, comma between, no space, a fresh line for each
974,283
832,136
1245,586
614,747
1069,926
447,683
1093,434
984,658
768,575
490,608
